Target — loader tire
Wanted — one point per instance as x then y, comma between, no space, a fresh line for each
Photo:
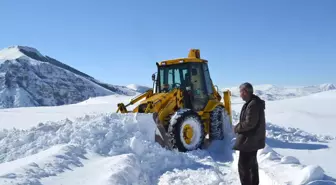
186,130
218,119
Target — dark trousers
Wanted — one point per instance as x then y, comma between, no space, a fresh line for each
248,168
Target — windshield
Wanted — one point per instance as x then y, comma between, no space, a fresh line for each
173,76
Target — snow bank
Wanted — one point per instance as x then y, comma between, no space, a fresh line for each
125,171
109,170
309,174
285,169
289,134
32,152
277,169
105,134
289,160
120,149
124,143
47,163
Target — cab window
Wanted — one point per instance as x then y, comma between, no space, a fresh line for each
208,81
172,77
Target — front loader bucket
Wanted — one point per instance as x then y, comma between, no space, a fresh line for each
161,135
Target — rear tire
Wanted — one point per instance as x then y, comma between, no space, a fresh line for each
218,118
179,130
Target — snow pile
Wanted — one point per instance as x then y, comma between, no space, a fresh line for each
308,124
119,146
47,163
309,174
281,169
288,169
53,148
59,159
268,154
108,134
289,160
126,170
289,134
120,149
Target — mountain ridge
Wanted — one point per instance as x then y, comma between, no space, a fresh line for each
28,78
275,92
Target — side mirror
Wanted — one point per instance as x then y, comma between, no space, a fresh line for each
217,88
153,77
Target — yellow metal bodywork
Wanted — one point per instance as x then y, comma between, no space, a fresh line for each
123,108
193,56
162,103
227,104
166,104
181,61
188,133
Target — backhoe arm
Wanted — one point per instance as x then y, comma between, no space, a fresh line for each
123,108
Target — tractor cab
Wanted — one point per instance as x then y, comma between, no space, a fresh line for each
191,75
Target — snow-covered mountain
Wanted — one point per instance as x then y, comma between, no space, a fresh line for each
273,92
138,88
28,78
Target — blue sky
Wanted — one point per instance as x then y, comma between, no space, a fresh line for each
283,42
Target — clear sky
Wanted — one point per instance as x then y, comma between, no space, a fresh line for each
284,42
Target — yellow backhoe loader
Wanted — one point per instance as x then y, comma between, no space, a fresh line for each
185,104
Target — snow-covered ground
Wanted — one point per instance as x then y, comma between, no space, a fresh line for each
25,118
97,146
304,127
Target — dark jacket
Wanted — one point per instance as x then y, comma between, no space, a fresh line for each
250,130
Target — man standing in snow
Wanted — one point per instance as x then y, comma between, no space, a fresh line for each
251,134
